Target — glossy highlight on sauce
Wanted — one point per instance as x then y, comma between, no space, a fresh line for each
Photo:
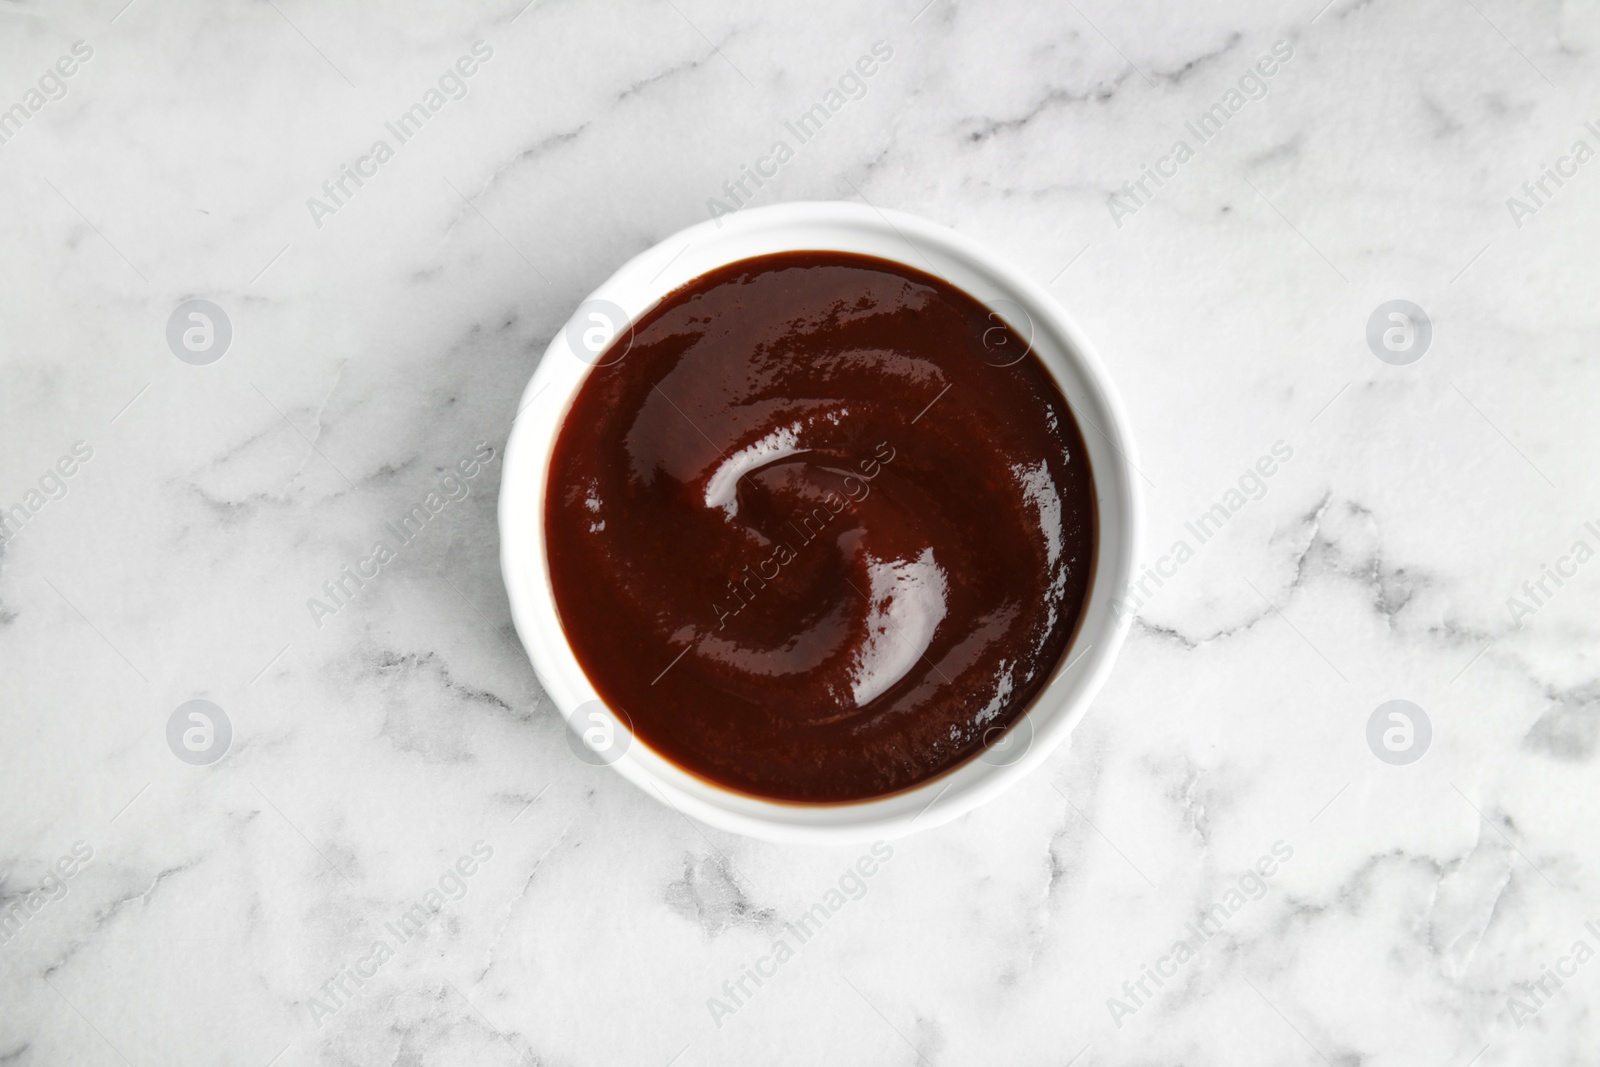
820,526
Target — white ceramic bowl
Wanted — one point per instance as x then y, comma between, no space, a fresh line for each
926,246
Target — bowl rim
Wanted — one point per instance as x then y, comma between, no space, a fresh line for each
1072,362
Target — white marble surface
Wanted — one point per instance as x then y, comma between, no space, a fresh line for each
373,352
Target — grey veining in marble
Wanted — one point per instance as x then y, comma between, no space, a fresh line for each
398,861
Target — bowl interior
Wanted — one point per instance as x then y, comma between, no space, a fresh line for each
920,244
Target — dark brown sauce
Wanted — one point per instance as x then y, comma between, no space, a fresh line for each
819,531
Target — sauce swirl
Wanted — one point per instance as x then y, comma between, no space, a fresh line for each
823,527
